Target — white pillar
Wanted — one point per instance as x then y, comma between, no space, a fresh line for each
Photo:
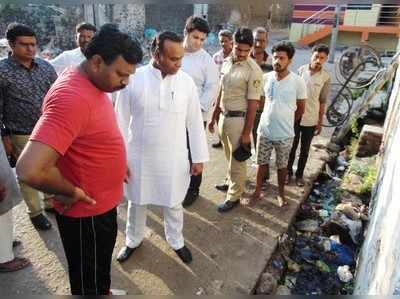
334,34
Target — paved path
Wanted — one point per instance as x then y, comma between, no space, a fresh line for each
230,250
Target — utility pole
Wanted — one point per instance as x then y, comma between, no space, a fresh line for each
334,34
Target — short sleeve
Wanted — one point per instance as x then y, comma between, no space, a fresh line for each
301,90
254,87
323,97
65,117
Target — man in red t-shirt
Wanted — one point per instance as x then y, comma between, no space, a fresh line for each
77,153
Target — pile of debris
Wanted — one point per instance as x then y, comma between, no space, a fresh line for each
318,255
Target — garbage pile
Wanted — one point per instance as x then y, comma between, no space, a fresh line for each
325,241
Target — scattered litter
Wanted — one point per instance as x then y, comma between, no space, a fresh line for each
329,171
323,213
344,273
316,192
308,225
322,266
352,211
348,230
283,290
217,285
200,291
341,161
292,266
268,284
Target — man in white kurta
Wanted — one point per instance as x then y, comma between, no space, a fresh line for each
154,113
84,33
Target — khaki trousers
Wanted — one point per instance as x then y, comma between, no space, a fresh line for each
230,130
31,196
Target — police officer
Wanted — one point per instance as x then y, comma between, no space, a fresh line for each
241,84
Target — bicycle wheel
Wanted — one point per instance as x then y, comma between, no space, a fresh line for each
338,111
360,63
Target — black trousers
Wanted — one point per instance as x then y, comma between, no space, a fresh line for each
195,180
88,245
304,135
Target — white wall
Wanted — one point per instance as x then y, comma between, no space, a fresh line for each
378,270
356,17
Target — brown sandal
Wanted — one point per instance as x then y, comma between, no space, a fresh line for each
16,264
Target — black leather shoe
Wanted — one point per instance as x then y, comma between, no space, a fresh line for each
217,145
184,254
125,253
190,198
40,222
222,187
227,206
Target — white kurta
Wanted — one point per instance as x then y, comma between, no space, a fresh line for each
67,59
72,58
154,114
204,72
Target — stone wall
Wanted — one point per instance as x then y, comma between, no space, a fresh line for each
54,26
168,17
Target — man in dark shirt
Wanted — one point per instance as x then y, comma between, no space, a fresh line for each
24,81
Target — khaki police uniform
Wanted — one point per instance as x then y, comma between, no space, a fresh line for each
240,81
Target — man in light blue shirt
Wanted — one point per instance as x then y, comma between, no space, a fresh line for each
199,65
285,94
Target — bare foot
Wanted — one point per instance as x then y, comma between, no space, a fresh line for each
256,196
300,182
253,199
281,201
16,264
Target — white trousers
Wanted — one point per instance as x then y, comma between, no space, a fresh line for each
6,237
136,223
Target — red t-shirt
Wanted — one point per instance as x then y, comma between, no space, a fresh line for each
78,121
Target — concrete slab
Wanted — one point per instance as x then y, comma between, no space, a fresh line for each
230,250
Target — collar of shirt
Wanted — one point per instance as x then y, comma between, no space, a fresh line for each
157,74
266,55
230,60
78,52
16,63
155,71
317,73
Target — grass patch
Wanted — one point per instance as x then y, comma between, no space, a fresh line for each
352,148
366,171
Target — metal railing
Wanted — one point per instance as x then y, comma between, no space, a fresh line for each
322,17
385,14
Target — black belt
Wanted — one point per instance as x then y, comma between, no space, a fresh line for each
233,113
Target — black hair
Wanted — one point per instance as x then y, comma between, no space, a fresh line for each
159,40
110,43
243,35
321,48
284,47
17,29
225,33
85,26
196,23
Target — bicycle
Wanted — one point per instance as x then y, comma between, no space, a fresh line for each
358,68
